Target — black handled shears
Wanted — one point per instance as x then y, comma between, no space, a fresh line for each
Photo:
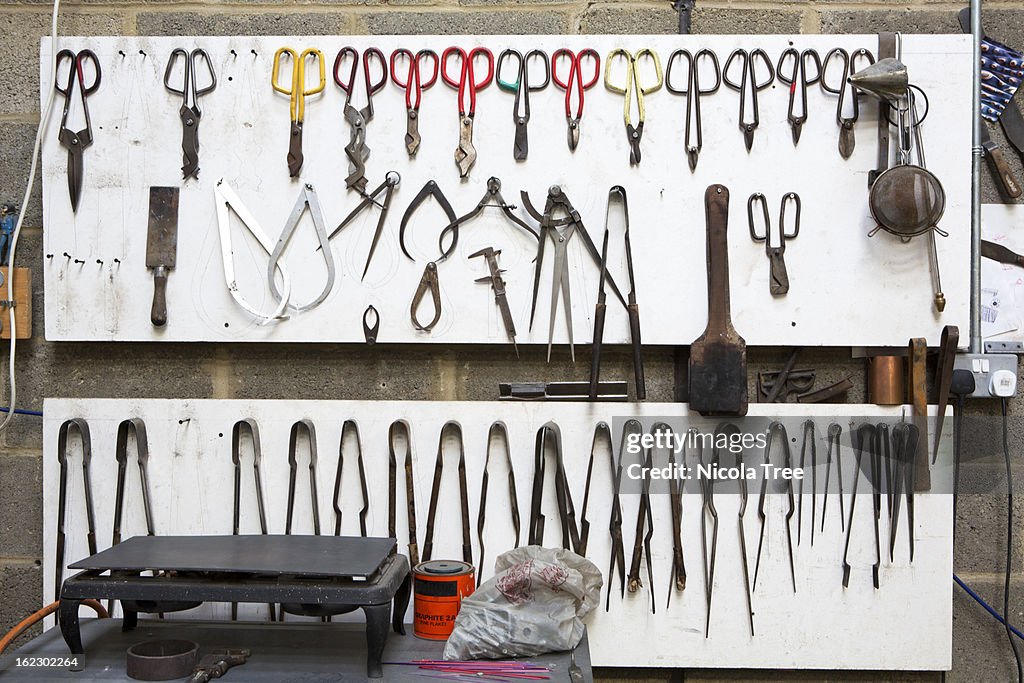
73,141
189,113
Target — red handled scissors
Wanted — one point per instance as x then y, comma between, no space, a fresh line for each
468,85
414,85
575,83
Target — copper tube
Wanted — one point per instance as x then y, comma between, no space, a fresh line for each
885,380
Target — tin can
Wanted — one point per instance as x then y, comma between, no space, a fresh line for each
438,589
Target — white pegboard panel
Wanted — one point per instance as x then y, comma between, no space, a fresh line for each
847,289
906,624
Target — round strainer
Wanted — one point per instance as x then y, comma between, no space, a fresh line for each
907,200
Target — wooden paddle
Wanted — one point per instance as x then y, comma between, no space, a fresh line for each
718,359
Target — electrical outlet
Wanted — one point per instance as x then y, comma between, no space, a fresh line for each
987,367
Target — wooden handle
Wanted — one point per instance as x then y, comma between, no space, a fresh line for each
595,353
716,207
638,360
158,314
1002,172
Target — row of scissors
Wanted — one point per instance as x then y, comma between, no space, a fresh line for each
695,75
469,71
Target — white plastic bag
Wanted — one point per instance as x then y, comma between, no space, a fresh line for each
534,604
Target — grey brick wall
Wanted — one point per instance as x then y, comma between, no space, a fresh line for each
315,371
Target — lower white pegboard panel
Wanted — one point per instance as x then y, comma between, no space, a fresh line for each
906,624
847,289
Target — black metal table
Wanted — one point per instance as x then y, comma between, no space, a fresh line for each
312,571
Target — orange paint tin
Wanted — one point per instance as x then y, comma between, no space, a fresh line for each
438,589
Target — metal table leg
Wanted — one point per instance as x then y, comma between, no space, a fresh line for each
376,637
69,628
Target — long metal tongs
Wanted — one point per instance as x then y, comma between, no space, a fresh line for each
131,429
644,533
677,581
302,426
617,195
707,490
398,436
79,425
776,432
497,433
306,199
350,426
550,436
864,438
226,199
731,431
811,444
835,432
450,430
248,427
906,437
631,429
602,434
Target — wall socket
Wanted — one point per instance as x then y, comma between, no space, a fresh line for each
995,374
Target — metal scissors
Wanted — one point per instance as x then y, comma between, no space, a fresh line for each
574,83
75,142
522,88
468,85
414,85
800,63
190,113
693,92
748,81
356,149
633,133
844,89
298,93
775,245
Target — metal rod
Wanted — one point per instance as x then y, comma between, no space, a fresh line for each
976,152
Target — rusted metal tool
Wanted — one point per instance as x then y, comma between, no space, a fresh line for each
631,430
776,433
617,195
451,432
400,447
498,433
350,427
69,427
864,438
718,358
835,432
497,284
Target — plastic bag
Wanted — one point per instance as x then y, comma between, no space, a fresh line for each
534,604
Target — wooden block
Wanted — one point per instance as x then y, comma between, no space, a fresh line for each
23,303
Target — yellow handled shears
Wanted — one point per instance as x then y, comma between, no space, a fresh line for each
298,92
633,85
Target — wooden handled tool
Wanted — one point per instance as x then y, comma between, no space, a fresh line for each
161,246
718,359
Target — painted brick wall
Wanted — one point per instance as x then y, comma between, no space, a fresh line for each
313,371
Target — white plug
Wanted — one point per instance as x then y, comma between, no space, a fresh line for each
1003,384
